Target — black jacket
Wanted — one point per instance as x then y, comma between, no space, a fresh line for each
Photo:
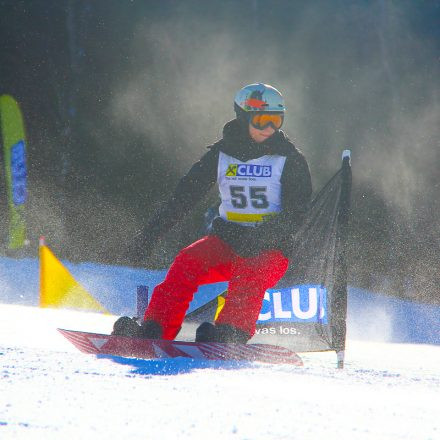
236,142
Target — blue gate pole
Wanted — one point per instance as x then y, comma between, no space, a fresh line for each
141,301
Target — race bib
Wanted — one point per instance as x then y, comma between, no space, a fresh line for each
249,191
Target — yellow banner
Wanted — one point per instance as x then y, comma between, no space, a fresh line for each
59,289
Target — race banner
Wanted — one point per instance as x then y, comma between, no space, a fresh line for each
14,156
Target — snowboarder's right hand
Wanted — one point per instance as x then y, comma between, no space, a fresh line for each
240,238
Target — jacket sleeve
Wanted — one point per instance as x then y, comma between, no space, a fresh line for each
296,190
295,198
189,191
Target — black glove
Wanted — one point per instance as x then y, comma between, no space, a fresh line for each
251,241
240,238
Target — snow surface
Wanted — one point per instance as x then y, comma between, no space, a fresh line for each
49,390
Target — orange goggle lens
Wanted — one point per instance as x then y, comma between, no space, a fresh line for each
262,120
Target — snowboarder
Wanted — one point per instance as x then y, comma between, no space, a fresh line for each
265,188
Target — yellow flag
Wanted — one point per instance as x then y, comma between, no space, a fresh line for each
220,305
59,289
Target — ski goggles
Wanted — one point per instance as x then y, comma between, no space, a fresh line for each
262,120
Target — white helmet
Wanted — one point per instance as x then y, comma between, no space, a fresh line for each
258,98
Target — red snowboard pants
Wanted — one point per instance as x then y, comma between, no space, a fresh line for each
211,260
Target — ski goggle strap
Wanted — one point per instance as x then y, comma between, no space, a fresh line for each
261,120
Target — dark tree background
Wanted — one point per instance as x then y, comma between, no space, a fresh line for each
121,97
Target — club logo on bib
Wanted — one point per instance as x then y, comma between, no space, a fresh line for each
244,170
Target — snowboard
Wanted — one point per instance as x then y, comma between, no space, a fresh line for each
95,343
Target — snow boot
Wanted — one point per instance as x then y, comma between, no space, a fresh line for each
205,332
225,333
126,326
151,330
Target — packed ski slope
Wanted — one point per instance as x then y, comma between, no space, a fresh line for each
49,390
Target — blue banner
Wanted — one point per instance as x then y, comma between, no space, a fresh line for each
304,303
19,173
